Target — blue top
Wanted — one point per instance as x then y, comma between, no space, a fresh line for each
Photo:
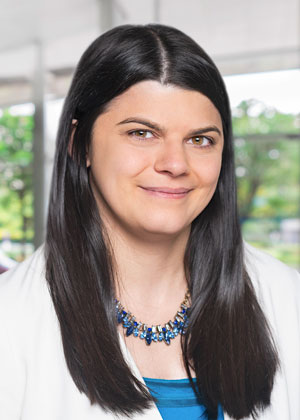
177,400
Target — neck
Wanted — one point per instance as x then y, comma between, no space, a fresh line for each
150,273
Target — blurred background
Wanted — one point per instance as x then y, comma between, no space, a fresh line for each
256,46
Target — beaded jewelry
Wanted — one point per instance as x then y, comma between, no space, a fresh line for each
156,333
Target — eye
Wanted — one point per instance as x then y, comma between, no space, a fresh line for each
202,141
141,134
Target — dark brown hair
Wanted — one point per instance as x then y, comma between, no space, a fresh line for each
228,341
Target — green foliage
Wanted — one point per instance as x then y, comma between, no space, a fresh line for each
267,167
267,153
253,117
16,192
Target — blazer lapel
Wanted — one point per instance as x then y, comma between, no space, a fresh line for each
153,412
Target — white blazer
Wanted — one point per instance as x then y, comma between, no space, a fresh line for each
35,383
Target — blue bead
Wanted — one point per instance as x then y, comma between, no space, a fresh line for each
183,311
164,330
175,322
129,330
124,313
160,336
148,339
135,323
167,339
149,329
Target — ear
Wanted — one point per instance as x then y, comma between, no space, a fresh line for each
88,162
70,145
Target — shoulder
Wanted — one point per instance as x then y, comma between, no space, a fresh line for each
269,270
23,287
24,273
277,285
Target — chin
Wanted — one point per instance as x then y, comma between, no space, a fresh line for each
166,228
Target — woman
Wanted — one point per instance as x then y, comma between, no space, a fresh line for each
143,225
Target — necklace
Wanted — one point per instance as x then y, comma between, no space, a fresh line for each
156,333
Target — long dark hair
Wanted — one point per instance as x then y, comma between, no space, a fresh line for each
228,342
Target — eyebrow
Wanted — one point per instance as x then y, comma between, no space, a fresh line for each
156,127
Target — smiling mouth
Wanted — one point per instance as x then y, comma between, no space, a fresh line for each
166,192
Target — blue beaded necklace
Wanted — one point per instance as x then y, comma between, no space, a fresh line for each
156,333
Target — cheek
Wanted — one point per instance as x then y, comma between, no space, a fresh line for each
208,171
125,168
113,167
131,162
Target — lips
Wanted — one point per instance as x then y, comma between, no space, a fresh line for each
168,190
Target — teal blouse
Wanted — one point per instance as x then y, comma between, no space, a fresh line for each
177,400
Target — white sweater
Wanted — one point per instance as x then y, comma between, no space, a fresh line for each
35,383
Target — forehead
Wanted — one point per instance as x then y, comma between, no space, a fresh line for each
165,103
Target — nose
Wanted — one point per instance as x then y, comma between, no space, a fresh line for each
171,159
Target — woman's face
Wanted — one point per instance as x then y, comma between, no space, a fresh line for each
155,158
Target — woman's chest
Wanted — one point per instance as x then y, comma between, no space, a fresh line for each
157,360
